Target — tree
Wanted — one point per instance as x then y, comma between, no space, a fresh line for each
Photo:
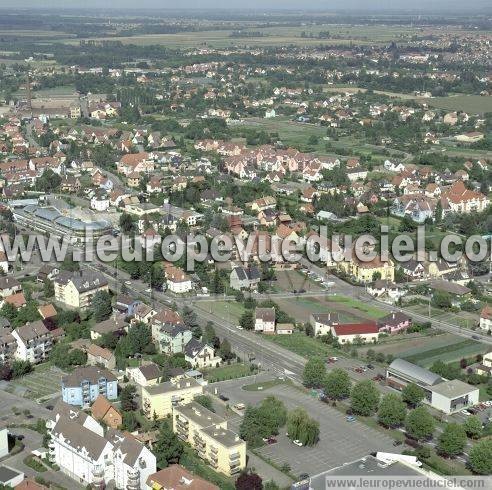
420,424
263,421
168,448
246,320
302,428
20,368
337,384
480,459
249,481
127,398
225,350
49,289
452,440
314,373
126,223
130,421
392,410
101,306
48,182
189,317
273,414
412,394
364,398
205,401
5,372
473,427
78,357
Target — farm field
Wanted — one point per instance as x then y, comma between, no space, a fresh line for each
463,319
447,353
43,382
468,103
290,280
350,310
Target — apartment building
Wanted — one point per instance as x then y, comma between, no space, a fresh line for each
77,289
86,383
158,401
83,451
34,342
208,434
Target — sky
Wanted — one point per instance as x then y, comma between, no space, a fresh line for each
443,6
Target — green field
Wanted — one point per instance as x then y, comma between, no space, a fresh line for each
476,104
303,345
228,310
223,373
447,353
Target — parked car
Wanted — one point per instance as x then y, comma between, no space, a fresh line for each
297,442
223,397
271,440
350,418
397,443
465,412
239,327
370,366
239,406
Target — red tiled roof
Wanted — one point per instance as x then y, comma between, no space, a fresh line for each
356,328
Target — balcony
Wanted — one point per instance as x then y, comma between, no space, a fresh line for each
234,457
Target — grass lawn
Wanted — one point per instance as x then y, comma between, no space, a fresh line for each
34,464
445,466
264,385
228,372
228,310
303,345
193,463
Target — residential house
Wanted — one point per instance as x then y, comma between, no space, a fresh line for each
171,337
115,325
98,356
395,322
148,374
104,411
9,286
77,289
178,281
201,355
86,383
265,320
177,478
244,278
351,333
486,318
322,323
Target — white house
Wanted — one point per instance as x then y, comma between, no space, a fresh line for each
82,451
34,342
486,318
100,202
201,355
177,281
265,320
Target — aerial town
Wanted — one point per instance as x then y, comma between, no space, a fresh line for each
259,319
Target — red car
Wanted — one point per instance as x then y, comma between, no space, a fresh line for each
271,440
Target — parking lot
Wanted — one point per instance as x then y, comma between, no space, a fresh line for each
339,439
